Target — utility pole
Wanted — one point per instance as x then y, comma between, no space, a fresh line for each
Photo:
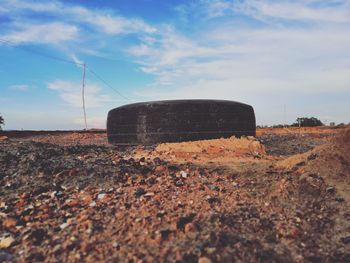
284,110
83,94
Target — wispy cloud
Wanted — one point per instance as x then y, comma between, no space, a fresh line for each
75,17
51,33
229,61
277,11
71,93
19,87
319,11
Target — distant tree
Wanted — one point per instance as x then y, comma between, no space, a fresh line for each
1,122
307,122
278,126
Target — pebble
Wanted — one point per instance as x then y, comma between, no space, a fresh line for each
330,189
311,157
101,196
6,257
189,227
115,245
179,183
9,222
64,225
204,260
140,191
183,174
56,248
345,240
6,242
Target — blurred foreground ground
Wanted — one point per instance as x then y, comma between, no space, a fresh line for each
282,197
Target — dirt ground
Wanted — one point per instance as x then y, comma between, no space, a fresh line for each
280,197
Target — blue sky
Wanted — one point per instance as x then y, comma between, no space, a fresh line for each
270,54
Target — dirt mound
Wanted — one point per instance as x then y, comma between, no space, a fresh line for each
217,149
343,140
330,159
324,173
73,138
95,203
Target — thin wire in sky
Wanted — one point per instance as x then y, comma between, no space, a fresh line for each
12,44
107,84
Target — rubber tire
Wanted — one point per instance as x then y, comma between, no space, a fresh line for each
155,122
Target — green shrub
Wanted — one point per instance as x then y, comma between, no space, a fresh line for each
307,122
1,122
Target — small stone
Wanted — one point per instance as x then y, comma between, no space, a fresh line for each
115,245
184,220
38,236
101,196
151,181
140,191
330,189
58,194
6,242
6,257
73,202
212,199
149,194
9,222
345,240
210,250
92,204
204,260
189,227
64,225
311,157
161,213
179,183
183,174
24,195
56,248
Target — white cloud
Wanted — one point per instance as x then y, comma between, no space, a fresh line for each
118,25
19,87
10,5
102,21
51,33
298,10
231,59
294,10
71,93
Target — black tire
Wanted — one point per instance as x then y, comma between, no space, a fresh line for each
155,122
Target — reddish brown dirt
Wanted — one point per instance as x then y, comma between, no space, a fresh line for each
63,199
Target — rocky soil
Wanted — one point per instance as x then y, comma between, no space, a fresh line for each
73,198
